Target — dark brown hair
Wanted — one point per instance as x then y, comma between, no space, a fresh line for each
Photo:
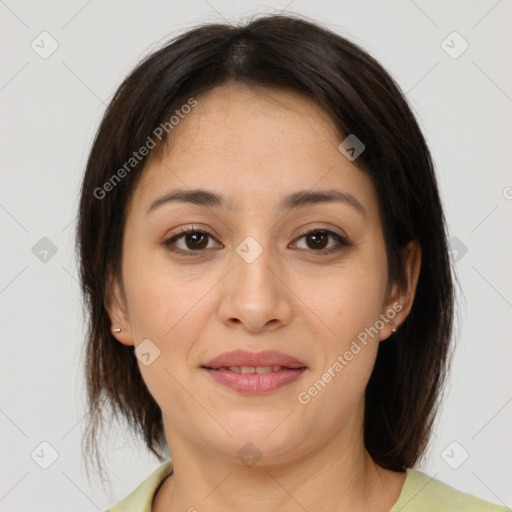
361,98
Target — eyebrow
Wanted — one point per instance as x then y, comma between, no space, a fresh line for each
299,199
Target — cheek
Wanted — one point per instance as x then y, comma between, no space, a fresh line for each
349,300
157,297
168,311
161,307
351,308
349,303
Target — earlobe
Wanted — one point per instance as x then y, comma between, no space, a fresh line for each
114,304
123,337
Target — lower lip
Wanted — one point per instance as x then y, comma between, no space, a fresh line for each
256,383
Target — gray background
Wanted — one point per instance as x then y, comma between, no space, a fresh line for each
51,108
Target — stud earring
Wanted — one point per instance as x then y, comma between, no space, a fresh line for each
118,329
392,323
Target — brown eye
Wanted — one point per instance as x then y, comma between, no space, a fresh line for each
189,241
196,241
192,242
317,240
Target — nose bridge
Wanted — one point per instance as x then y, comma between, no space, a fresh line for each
252,265
254,295
255,231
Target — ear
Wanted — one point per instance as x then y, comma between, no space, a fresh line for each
115,305
401,296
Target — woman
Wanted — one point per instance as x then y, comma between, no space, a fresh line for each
264,260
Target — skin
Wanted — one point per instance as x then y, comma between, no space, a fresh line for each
254,146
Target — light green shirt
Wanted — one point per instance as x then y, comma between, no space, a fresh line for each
420,493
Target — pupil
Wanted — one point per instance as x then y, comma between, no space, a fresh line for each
196,237
316,237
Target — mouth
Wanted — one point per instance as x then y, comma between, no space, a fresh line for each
254,372
253,369
244,361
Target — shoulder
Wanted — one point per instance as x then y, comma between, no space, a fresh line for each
423,493
142,497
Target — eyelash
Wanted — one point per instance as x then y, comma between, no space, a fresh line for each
183,232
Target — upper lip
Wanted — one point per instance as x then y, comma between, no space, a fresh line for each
246,358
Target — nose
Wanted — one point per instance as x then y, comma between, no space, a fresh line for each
254,293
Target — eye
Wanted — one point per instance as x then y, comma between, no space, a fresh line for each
319,240
193,241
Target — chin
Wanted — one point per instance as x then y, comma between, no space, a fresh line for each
271,436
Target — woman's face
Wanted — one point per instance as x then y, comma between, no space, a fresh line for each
250,280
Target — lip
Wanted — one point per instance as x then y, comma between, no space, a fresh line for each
255,383
247,358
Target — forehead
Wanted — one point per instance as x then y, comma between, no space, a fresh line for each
253,142
264,119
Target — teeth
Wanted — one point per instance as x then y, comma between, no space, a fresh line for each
252,369
263,369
